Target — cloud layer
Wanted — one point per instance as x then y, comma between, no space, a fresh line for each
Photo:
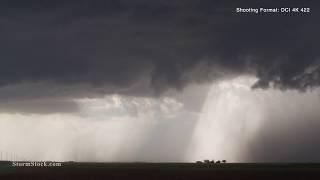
115,44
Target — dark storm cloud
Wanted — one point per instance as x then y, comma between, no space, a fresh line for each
116,43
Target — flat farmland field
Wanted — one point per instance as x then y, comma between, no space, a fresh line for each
149,171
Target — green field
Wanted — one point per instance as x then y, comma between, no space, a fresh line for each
72,170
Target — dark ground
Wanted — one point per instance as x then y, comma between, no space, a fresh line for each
150,171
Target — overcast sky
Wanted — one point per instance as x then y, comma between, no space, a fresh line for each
151,80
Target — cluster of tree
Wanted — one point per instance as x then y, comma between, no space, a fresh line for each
211,162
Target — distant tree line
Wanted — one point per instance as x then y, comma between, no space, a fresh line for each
211,162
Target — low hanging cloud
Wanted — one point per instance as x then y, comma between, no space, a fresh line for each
115,44
113,128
